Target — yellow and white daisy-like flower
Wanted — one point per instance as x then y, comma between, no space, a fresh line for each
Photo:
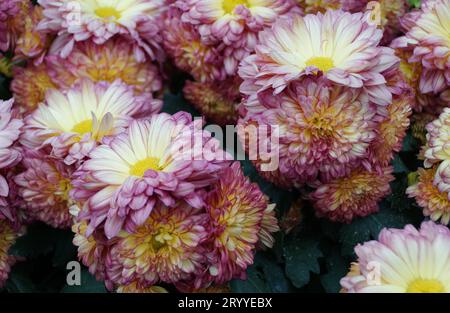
403,261
71,123
342,47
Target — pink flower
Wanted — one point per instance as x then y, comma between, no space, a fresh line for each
427,35
166,248
45,186
12,15
324,129
218,101
165,158
405,260
71,123
136,20
107,62
342,47
240,217
233,23
435,203
10,154
354,195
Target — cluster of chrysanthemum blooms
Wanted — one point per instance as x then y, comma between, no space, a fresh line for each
84,144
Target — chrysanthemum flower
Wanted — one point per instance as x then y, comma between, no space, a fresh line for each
44,186
31,43
419,121
354,195
217,101
391,131
428,34
165,158
403,261
12,16
235,24
342,47
384,12
107,62
323,128
92,249
435,203
7,238
438,151
10,154
240,216
71,123
29,86
183,44
167,247
411,72
77,20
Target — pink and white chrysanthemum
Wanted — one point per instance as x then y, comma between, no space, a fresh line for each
429,37
166,248
218,101
184,46
92,249
31,43
29,86
403,261
240,216
165,158
107,62
10,153
323,128
44,186
233,23
71,123
386,13
438,150
435,203
12,15
354,195
341,46
99,20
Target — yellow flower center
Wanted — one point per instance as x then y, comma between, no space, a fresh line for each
83,127
108,13
142,166
64,189
322,63
229,5
425,286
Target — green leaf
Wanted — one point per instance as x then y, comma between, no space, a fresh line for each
337,267
38,240
410,143
65,250
399,166
282,198
367,228
254,283
265,275
88,284
19,280
273,273
415,3
301,257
